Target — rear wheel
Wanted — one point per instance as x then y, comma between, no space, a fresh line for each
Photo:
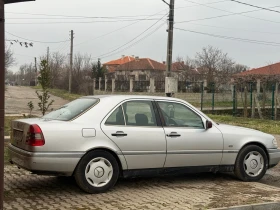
97,172
251,163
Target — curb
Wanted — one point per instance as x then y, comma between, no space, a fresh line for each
262,206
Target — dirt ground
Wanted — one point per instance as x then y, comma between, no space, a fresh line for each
17,98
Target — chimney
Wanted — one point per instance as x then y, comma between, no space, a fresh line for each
182,62
123,56
133,56
163,62
137,58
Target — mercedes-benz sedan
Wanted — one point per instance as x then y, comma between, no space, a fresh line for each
98,139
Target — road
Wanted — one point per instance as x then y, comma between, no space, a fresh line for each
17,98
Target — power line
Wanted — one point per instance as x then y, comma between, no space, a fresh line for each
251,5
36,40
96,21
238,13
103,35
241,13
214,2
78,16
275,44
132,40
243,29
133,44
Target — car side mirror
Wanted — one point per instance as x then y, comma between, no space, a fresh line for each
208,124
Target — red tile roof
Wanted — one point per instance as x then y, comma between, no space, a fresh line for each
142,64
273,69
120,61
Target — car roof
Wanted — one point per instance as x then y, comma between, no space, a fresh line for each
124,97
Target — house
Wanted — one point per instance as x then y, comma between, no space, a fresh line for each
112,65
270,70
140,69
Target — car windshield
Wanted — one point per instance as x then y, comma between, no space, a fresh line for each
71,110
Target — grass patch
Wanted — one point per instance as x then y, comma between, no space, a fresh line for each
61,93
64,94
267,126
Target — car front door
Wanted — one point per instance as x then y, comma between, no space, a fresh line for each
135,128
188,142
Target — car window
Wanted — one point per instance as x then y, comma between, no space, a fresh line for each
116,118
178,115
139,113
72,109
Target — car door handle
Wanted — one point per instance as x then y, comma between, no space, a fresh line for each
119,134
173,134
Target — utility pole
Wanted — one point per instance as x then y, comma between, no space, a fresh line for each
48,55
71,61
171,84
36,71
170,38
2,98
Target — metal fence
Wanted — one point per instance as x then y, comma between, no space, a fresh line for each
141,86
122,85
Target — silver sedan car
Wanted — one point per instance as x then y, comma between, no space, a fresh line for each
98,139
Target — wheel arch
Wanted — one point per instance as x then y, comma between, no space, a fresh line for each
107,150
256,144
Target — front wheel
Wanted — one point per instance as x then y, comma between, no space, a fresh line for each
251,163
97,172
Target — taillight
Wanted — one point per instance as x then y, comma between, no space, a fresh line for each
35,136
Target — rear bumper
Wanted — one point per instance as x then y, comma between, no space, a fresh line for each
274,157
63,163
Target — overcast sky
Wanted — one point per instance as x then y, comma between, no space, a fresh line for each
261,25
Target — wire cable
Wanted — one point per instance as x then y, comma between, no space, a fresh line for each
133,44
238,13
133,38
36,40
103,35
275,44
232,13
251,5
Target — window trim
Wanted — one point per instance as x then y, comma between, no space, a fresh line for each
157,117
185,105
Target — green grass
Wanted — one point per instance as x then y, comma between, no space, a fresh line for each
268,126
61,93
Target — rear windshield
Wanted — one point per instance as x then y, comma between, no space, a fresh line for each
72,109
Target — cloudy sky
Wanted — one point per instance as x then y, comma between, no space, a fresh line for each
111,28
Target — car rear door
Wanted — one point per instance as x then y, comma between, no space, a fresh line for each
188,142
135,128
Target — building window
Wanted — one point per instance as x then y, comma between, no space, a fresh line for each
142,77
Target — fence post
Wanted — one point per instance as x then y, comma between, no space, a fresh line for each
234,101
106,79
202,91
93,86
113,85
245,102
251,95
213,97
152,85
258,86
272,104
276,103
100,78
131,85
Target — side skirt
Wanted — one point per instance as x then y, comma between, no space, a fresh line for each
175,171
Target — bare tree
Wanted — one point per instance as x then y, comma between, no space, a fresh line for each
9,58
217,63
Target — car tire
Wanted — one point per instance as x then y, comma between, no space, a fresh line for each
97,172
251,163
